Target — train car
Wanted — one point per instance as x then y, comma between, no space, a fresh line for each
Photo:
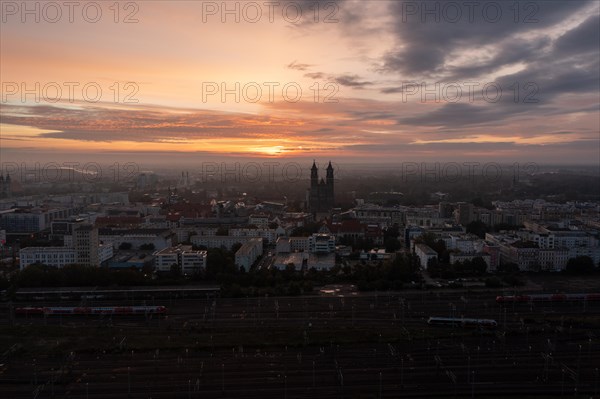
485,323
97,310
462,322
29,310
59,310
547,298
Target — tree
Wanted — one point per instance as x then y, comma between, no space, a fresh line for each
493,282
580,265
235,247
392,244
125,246
478,228
306,230
288,272
38,275
478,265
220,261
508,267
175,270
432,263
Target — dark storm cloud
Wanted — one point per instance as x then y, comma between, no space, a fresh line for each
583,39
427,45
570,65
508,52
459,115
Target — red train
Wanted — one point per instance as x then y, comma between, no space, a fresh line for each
111,310
547,298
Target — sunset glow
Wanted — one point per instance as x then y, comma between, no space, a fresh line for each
180,80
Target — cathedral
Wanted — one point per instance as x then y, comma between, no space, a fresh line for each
320,195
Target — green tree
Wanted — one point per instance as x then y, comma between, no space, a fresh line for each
493,282
508,267
478,228
580,265
391,244
175,270
478,265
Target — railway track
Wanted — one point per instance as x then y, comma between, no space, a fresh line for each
317,347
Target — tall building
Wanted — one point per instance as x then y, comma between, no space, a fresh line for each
464,213
445,209
321,194
86,243
84,249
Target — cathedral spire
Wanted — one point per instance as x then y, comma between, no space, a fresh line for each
314,171
329,172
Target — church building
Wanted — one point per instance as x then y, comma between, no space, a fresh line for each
321,194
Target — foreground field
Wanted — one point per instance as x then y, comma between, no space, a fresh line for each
353,346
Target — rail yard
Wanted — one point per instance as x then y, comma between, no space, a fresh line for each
327,346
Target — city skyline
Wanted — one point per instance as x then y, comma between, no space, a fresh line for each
387,75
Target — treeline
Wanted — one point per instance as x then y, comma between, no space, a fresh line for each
389,275
234,281
38,275
467,268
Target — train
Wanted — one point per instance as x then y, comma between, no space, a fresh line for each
547,298
463,322
96,310
124,295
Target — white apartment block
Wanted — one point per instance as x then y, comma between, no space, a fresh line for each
193,261
190,261
461,257
260,221
249,252
321,243
226,242
317,243
553,259
424,253
466,243
269,235
50,256
105,252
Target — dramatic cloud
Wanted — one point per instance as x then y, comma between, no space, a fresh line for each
527,72
431,35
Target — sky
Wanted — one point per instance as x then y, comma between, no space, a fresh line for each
361,81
